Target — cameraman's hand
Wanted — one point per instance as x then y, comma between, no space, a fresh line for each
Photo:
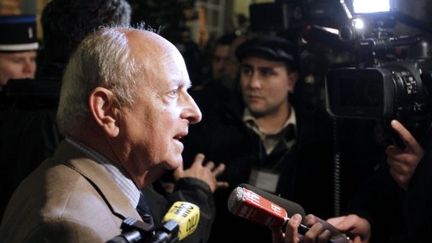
403,162
207,173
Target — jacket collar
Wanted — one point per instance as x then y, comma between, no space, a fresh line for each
98,177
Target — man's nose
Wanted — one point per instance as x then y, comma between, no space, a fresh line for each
192,111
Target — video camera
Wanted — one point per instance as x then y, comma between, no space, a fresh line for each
389,76
392,78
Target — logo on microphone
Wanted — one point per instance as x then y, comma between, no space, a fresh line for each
186,215
276,208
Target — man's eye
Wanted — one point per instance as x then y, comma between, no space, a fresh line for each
246,71
173,93
16,60
267,73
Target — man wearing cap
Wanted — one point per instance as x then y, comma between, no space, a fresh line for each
268,139
18,47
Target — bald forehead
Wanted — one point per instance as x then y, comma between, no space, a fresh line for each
151,43
156,56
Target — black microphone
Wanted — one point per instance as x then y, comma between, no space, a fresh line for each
134,231
258,206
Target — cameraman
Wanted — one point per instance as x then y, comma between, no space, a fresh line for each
410,169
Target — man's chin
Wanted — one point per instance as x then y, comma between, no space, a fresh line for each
173,164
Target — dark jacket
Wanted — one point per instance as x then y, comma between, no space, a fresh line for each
305,170
398,215
28,130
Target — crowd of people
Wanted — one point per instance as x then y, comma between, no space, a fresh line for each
108,125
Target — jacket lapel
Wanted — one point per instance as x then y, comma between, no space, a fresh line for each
99,178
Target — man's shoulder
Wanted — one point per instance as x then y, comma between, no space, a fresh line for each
55,195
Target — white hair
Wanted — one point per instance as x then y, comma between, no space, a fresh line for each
103,59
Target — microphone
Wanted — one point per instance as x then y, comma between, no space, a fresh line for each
248,204
251,206
133,231
290,206
180,221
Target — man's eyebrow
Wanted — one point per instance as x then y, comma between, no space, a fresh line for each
182,83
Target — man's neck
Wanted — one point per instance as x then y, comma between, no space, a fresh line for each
273,122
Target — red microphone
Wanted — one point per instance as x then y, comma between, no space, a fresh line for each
247,204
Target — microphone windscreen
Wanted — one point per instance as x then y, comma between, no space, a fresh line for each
186,215
291,207
253,207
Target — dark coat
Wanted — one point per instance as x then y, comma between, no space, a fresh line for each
398,215
28,130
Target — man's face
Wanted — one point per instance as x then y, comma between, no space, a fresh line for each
162,112
221,59
265,85
17,65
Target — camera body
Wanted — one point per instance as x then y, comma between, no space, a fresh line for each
394,90
385,84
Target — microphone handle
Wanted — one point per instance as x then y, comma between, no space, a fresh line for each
128,237
160,237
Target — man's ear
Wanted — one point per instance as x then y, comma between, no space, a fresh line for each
292,79
104,110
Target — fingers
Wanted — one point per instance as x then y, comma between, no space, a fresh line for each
352,223
219,169
315,233
206,171
210,165
310,219
291,234
222,184
406,136
198,160
324,236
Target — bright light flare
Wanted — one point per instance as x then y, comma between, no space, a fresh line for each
371,6
358,24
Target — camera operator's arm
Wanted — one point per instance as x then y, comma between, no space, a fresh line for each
403,162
